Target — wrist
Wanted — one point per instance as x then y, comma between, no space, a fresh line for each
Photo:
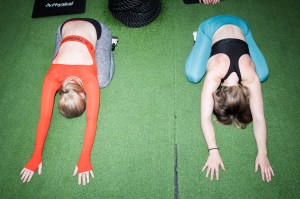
262,152
213,150
84,165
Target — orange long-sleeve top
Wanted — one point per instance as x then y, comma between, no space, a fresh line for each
52,82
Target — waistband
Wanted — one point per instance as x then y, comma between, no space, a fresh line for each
230,40
79,39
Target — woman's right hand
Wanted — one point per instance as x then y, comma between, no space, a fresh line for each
27,173
212,164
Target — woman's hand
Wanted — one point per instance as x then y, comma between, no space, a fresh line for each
84,177
210,1
212,164
265,167
27,173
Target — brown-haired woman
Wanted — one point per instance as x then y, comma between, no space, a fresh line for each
232,88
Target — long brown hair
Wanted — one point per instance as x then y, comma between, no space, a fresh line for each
71,103
231,105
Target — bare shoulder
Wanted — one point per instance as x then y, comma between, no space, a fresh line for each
247,68
218,65
216,70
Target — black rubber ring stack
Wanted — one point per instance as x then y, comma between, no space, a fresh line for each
135,13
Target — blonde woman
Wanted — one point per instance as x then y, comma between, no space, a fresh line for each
73,73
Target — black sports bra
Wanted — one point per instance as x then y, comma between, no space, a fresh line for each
234,49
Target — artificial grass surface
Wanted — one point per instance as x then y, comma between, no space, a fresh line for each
148,108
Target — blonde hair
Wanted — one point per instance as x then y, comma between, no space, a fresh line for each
71,103
231,105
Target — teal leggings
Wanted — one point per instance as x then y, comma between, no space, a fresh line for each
195,65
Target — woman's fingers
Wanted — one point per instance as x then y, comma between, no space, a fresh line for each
26,175
92,173
204,167
212,171
79,178
30,176
266,172
256,166
207,172
272,171
24,169
222,166
262,173
40,169
83,179
87,177
270,174
75,171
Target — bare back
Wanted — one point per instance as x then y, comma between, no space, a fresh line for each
228,31
219,63
72,52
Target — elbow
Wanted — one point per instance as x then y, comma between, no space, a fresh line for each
205,120
258,120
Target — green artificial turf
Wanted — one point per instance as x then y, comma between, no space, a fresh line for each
149,108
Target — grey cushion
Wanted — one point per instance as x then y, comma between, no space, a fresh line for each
103,54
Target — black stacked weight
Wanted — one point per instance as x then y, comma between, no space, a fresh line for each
135,13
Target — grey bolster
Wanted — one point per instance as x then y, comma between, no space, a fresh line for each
104,55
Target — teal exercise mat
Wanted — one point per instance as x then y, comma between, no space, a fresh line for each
44,8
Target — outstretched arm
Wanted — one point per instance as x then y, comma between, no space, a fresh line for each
214,159
50,87
259,127
84,166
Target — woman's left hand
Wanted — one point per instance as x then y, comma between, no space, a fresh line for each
265,167
27,173
83,177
